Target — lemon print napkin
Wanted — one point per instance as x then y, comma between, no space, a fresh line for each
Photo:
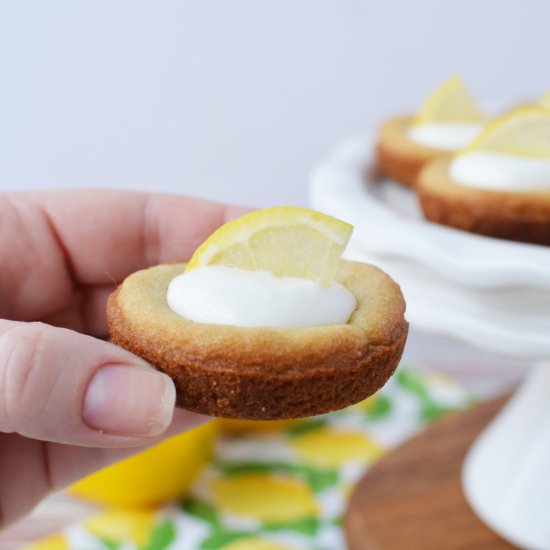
275,486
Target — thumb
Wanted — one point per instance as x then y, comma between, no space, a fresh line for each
59,385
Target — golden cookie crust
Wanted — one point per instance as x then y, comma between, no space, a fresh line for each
264,373
517,216
397,156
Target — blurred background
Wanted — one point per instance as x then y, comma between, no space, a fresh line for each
236,100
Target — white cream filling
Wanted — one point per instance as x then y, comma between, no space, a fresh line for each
449,137
501,172
229,296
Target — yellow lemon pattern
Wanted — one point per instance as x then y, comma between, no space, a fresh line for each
154,476
255,544
119,526
55,542
330,448
266,497
281,486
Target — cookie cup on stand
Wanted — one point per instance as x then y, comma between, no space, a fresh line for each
263,373
398,156
518,216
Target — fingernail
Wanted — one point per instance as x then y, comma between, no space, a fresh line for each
129,400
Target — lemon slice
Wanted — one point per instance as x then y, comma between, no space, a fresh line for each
524,132
287,241
450,103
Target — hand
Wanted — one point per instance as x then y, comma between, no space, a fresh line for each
71,403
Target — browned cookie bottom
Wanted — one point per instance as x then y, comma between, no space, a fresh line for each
516,216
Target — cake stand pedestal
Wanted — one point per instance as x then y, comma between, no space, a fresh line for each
506,474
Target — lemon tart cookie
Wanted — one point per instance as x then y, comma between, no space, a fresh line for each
291,341
448,120
499,186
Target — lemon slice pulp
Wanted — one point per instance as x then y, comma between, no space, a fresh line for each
284,240
450,103
524,132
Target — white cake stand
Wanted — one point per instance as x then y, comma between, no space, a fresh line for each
506,474
492,295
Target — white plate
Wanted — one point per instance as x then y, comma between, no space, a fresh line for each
490,293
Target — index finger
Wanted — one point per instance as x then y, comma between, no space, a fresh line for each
108,234
56,243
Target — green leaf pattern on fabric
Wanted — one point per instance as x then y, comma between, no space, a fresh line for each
162,537
410,400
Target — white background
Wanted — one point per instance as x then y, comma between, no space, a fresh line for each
236,99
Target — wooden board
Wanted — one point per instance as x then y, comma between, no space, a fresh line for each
412,498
